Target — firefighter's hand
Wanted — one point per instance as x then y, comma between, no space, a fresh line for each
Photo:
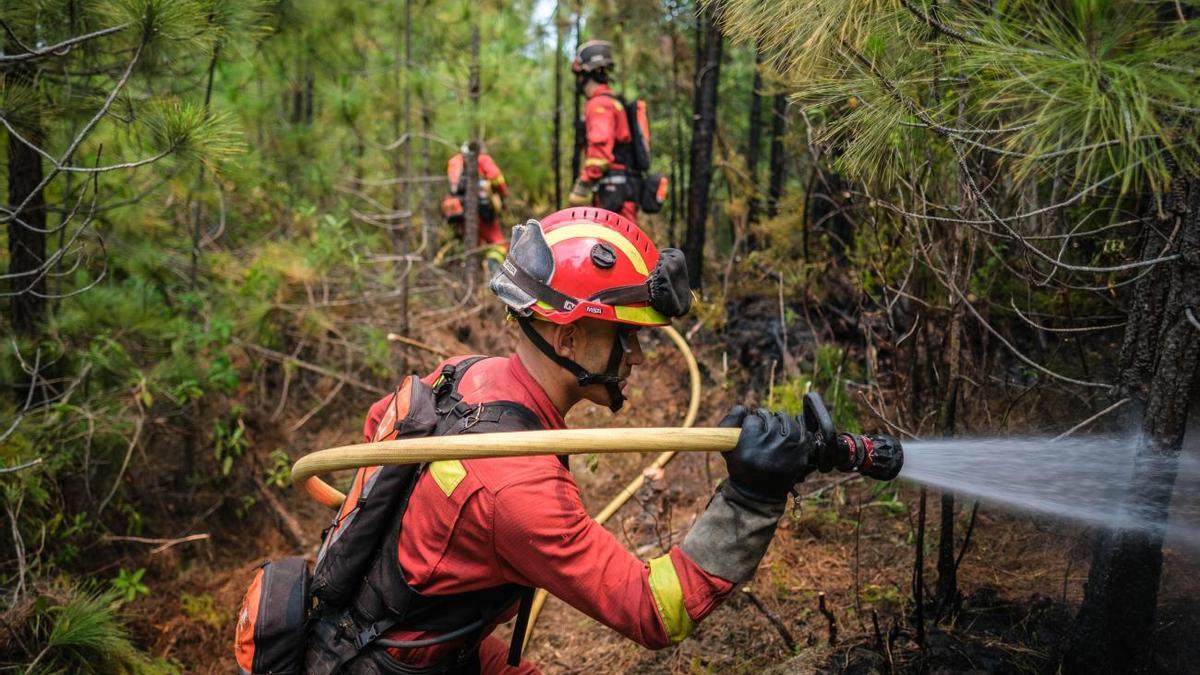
772,453
581,193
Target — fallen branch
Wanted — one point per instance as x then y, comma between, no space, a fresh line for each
1191,317
394,337
287,358
163,544
289,525
20,467
778,623
1091,419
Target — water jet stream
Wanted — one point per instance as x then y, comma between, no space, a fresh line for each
1081,479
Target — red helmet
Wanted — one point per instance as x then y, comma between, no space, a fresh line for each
589,262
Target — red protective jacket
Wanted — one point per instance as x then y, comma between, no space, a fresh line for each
606,125
488,170
489,230
485,522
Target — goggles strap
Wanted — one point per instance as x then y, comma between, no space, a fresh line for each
536,288
610,379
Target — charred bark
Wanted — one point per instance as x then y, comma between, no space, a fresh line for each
556,148
704,127
753,144
778,127
471,157
26,229
1160,361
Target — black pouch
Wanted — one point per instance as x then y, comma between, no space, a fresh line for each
614,190
652,193
271,625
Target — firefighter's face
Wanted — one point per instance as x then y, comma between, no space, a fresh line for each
593,346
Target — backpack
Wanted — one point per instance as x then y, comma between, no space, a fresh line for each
647,190
635,154
487,207
327,622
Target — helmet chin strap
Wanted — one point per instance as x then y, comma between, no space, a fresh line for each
610,378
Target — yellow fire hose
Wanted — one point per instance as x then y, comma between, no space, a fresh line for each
667,440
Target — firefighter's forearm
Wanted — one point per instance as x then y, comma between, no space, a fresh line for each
731,536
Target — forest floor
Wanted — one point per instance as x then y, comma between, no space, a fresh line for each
851,541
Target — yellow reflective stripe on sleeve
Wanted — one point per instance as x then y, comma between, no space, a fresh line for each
604,234
668,596
448,474
643,315
595,161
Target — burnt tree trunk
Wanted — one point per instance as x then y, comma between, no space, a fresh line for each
753,144
402,193
704,125
580,135
778,127
1160,361
471,157
26,229
556,149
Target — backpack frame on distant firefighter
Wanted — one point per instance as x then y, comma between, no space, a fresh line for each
637,184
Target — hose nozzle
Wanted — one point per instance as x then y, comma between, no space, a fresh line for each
875,456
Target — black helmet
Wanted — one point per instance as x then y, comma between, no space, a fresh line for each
593,55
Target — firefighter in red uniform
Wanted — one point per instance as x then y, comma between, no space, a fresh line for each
581,285
608,137
493,191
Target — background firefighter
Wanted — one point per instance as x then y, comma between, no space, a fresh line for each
493,191
604,137
580,285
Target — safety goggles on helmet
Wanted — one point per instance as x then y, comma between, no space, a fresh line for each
528,284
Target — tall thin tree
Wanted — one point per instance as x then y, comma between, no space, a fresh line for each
471,157
778,169
754,139
704,125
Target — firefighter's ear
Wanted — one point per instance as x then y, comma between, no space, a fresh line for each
567,340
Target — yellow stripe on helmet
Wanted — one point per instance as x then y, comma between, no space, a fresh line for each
668,597
647,316
603,233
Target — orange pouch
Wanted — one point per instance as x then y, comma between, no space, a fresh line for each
271,624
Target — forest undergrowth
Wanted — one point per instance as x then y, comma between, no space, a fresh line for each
949,218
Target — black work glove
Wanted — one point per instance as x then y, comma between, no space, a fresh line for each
771,455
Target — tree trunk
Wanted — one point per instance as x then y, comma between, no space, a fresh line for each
197,207
405,197
429,210
826,208
778,127
26,239
703,130
753,144
1161,372
471,158
577,125
946,595
556,149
